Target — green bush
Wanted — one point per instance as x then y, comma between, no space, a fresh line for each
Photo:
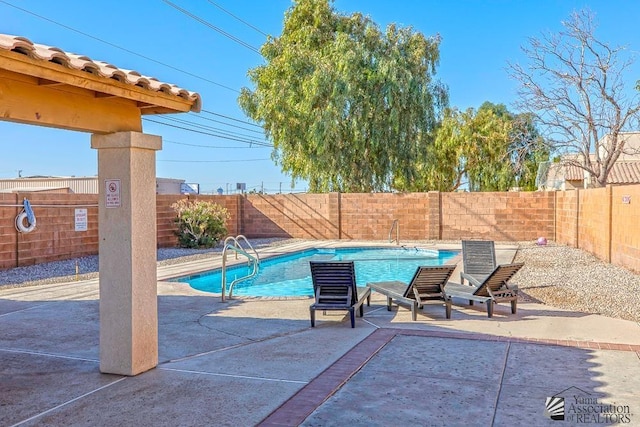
200,224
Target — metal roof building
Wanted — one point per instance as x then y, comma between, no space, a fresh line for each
79,185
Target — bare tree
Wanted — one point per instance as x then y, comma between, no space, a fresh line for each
574,84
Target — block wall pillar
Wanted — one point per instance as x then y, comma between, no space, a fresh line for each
434,216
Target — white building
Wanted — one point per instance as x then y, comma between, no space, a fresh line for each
83,185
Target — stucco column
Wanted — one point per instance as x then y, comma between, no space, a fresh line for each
127,232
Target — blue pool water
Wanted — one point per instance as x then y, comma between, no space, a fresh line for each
289,275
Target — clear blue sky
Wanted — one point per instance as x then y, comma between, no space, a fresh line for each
478,38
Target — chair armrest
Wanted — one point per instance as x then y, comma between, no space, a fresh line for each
457,290
364,293
473,281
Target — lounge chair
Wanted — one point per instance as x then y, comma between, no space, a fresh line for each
334,287
427,285
478,260
494,289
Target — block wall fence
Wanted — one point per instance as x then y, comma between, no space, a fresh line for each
602,221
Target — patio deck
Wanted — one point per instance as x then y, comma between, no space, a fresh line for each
258,362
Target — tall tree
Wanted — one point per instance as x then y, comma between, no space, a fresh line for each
574,84
489,149
347,106
526,147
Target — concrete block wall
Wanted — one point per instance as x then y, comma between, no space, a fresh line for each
165,219
625,227
370,216
165,215
594,219
55,236
307,216
497,216
8,233
433,215
566,217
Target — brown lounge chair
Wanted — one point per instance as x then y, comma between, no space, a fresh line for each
334,287
427,285
478,260
494,289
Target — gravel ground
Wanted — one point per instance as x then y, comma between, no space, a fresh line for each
87,267
557,275
570,278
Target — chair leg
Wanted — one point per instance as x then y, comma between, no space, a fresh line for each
447,308
388,303
514,304
414,311
490,308
312,312
352,314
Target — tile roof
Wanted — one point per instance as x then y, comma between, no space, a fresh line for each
99,68
626,172
573,173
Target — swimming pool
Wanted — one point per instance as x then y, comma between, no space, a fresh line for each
289,275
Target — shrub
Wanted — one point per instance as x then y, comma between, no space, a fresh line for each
200,224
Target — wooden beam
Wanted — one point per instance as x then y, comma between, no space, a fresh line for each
23,100
22,64
104,95
44,82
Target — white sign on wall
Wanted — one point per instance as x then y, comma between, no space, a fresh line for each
81,220
112,193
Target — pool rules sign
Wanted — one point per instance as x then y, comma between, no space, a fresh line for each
81,220
112,193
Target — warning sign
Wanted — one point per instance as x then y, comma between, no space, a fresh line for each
81,219
112,193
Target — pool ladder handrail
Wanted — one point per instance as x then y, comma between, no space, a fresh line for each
395,225
233,243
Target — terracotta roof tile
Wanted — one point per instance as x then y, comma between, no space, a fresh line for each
626,172
100,68
573,173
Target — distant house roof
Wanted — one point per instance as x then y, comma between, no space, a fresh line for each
56,55
566,174
627,172
573,173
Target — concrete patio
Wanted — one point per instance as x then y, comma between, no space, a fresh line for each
257,362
